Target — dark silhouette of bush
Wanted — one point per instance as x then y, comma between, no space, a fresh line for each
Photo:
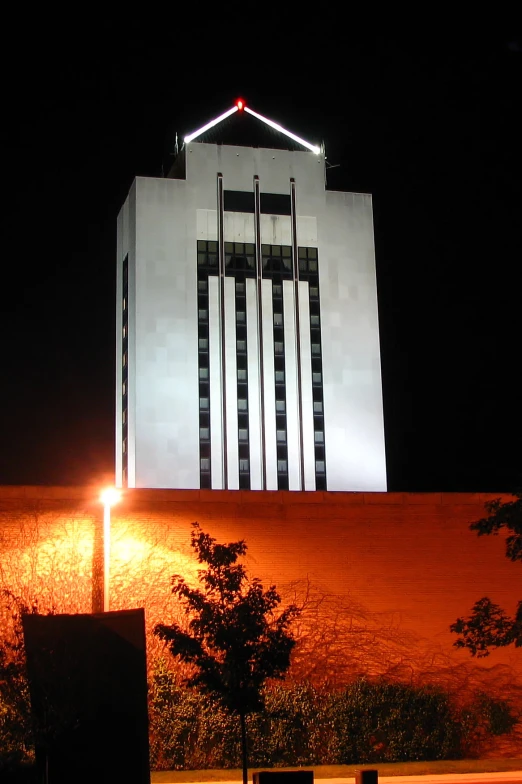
16,728
394,722
366,722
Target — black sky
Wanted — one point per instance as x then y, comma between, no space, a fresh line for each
430,127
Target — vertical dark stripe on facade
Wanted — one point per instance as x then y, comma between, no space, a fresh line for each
280,384
221,261
295,270
207,264
309,271
277,267
259,302
240,264
242,384
125,372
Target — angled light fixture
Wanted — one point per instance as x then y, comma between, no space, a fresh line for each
241,106
312,147
210,124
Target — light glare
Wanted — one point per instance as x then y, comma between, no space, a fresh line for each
279,128
110,496
209,125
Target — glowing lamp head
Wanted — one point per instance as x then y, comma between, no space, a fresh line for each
110,496
240,104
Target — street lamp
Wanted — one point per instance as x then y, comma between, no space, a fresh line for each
109,497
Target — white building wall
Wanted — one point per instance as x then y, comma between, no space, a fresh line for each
166,361
354,426
160,225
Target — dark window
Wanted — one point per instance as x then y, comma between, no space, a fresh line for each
277,264
275,203
238,201
243,201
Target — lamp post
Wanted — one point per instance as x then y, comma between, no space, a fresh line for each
109,497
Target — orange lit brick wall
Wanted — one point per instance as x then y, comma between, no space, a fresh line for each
409,556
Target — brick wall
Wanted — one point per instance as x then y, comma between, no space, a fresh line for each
409,556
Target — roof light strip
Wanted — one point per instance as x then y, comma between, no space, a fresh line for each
279,128
209,125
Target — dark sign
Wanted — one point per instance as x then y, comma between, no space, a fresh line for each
88,685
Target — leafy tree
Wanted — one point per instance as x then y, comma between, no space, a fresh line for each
16,727
235,639
489,626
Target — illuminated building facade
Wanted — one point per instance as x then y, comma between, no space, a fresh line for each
247,325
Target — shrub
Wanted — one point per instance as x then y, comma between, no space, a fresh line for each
366,722
187,729
292,729
392,722
16,731
485,718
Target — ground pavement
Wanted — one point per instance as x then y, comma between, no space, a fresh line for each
507,777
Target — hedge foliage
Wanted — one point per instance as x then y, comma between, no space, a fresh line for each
365,722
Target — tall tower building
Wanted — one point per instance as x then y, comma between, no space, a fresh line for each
247,325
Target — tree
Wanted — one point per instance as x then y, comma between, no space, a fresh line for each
489,626
16,726
236,638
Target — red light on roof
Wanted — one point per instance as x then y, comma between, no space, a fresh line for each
240,104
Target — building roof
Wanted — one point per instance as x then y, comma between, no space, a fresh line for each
242,126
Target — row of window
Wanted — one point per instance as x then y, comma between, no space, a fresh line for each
244,466
280,406
278,322
240,258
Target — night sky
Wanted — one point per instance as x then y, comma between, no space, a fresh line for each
430,127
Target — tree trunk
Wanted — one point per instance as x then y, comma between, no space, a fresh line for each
244,755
